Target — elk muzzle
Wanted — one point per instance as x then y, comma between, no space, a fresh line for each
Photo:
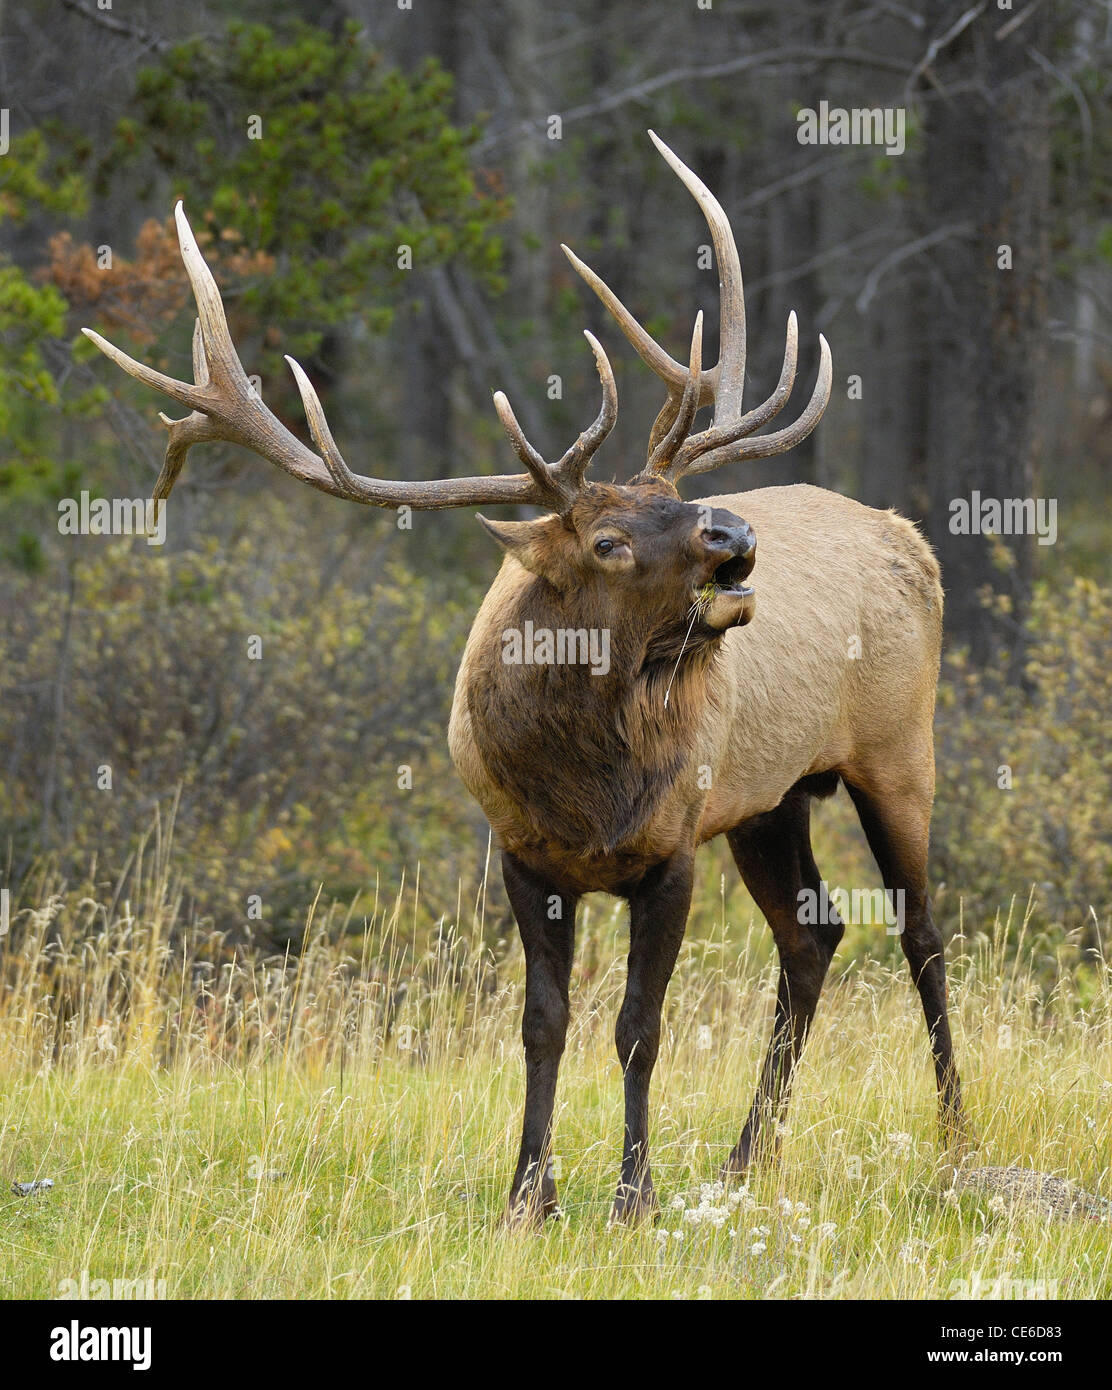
729,550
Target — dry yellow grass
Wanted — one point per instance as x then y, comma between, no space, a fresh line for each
344,1124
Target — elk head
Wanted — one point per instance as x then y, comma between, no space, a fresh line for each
641,559
632,549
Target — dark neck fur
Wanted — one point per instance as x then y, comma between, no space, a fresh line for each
587,758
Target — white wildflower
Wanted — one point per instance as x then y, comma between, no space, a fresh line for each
913,1252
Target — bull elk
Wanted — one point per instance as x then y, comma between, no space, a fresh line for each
716,715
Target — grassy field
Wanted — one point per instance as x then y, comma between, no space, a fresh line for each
344,1124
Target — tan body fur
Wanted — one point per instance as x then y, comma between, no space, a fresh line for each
784,697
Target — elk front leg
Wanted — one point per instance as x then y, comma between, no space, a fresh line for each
658,910
546,922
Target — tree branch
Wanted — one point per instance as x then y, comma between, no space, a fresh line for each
935,47
107,20
771,58
815,170
902,253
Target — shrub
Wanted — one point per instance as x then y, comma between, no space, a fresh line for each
270,706
1025,772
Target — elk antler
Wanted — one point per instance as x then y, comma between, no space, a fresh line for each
224,405
673,451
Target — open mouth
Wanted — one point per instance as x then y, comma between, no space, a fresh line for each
725,600
731,572
729,577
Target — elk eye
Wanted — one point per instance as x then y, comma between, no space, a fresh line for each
603,547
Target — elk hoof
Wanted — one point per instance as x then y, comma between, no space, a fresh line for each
959,1142
528,1211
633,1205
750,1152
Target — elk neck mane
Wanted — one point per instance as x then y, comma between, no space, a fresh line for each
586,759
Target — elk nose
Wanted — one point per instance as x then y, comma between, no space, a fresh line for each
730,547
736,540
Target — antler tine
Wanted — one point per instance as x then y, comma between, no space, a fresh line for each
713,438
729,380
524,450
179,391
673,373
563,480
346,481
660,457
737,449
200,362
575,462
217,347
770,408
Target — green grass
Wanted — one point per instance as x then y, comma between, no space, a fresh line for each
242,1128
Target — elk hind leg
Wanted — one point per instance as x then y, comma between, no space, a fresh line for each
773,855
895,816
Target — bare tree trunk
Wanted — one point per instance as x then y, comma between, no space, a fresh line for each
893,400
792,235
425,431
987,160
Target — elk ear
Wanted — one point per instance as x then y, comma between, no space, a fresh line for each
534,544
